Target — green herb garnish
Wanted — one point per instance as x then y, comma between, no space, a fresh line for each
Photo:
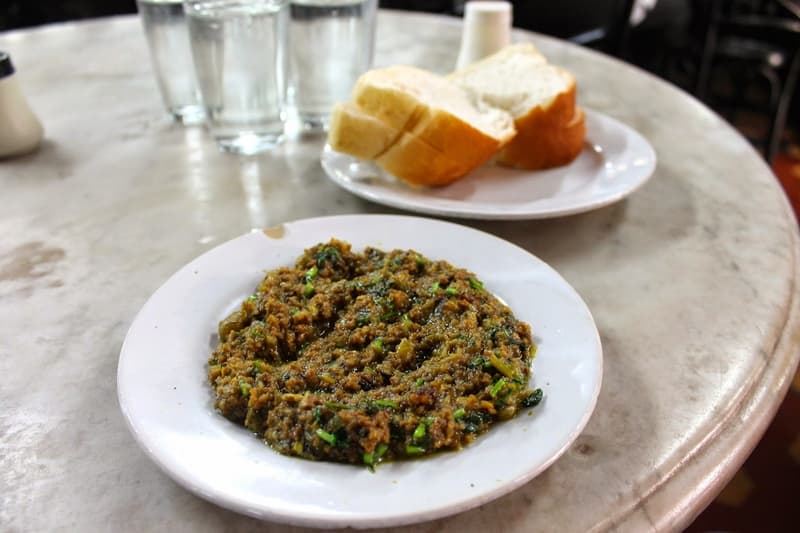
459,413
501,366
414,450
258,366
311,273
380,450
497,387
386,403
452,291
475,284
474,420
368,458
244,388
533,399
329,254
422,429
434,287
479,362
327,437
372,458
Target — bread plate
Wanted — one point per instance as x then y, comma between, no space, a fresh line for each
168,405
615,161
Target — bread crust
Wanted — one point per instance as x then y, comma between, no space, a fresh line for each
413,160
455,138
547,137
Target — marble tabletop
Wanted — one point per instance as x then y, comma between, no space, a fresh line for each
692,282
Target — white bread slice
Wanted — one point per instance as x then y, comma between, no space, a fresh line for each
540,97
354,132
438,125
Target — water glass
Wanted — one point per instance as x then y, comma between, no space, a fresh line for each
239,51
331,43
168,40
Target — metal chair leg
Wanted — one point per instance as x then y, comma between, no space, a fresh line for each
709,49
779,118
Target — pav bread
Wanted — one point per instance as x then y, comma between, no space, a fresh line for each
541,98
418,126
432,130
355,132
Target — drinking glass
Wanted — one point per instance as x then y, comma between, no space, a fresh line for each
239,51
331,43
168,40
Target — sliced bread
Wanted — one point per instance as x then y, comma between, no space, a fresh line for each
417,162
540,97
433,118
402,154
354,132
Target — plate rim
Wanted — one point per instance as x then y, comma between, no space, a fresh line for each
498,214
320,520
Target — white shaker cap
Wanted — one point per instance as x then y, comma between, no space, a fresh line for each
487,29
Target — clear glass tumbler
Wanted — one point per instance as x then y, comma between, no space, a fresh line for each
165,28
239,50
331,43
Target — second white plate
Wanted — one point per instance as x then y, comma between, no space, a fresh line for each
168,404
615,161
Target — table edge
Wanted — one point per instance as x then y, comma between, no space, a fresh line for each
674,503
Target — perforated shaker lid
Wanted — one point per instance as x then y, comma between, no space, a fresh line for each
6,68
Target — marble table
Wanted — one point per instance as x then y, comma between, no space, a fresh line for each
692,282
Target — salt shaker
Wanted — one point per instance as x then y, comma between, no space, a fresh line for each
487,29
20,130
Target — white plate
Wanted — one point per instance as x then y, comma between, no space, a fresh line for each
615,161
167,402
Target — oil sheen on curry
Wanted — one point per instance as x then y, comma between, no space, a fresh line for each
367,357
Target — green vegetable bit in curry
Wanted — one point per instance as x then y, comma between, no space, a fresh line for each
367,357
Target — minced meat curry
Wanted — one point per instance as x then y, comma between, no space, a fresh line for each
364,357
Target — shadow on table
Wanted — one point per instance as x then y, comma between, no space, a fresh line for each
51,161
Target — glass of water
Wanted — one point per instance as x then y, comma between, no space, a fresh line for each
165,28
239,50
331,43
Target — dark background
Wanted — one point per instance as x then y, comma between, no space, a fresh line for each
670,22
562,18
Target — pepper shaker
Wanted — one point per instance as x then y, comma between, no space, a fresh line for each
20,130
